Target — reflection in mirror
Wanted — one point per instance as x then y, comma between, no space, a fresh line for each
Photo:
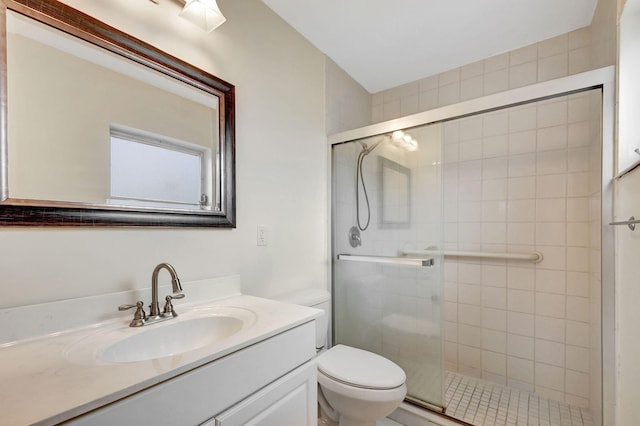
152,170
395,194
88,128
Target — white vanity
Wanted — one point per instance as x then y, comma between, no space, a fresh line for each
258,368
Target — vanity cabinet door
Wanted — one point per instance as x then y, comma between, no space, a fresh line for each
289,401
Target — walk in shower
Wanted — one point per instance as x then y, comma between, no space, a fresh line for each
467,249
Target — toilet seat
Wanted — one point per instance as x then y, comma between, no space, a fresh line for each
358,368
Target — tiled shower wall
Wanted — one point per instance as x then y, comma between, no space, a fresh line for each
519,180
578,51
571,53
554,58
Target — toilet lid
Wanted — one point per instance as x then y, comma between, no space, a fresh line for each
360,368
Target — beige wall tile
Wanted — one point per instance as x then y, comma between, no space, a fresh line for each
553,67
550,305
548,352
520,346
553,46
549,376
550,329
549,281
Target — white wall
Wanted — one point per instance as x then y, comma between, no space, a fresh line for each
627,203
348,103
281,171
627,299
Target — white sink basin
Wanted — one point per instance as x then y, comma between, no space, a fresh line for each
174,338
187,332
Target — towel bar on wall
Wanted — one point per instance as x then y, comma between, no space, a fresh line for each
387,259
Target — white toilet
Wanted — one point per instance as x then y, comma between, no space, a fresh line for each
355,387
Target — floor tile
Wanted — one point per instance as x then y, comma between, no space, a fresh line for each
481,403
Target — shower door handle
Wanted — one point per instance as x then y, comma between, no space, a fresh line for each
408,261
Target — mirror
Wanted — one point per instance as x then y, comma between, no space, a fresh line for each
103,129
395,194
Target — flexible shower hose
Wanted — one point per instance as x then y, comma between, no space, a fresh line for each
360,178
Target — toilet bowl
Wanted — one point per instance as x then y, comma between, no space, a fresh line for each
359,386
355,387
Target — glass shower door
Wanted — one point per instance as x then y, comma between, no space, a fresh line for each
387,273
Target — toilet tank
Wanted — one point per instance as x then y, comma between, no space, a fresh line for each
315,298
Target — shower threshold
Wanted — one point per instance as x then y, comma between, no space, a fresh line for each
479,403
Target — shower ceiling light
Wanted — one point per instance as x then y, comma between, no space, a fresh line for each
397,136
404,140
204,13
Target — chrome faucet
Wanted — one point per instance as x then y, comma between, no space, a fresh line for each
140,318
154,308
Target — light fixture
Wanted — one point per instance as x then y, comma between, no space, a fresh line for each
203,13
404,140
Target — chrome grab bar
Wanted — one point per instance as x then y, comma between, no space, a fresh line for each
535,256
409,261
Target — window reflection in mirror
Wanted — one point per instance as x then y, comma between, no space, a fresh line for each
155,171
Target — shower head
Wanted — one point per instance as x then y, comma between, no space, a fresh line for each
366,150
397,138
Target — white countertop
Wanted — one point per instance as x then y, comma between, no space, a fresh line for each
40,385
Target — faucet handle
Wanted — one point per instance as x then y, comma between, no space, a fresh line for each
168,307
139,304
139,316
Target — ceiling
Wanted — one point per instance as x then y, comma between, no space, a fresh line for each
384,43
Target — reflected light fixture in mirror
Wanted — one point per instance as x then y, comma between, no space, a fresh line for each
203,13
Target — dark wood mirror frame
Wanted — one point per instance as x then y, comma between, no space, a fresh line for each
85,27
